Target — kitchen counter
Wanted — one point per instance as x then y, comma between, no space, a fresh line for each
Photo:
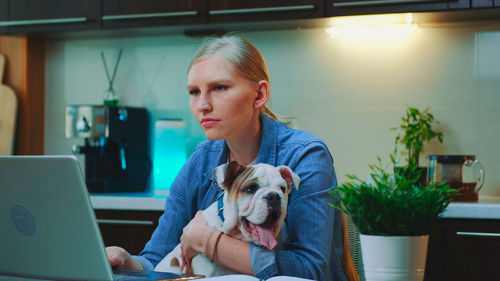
128,201
486,208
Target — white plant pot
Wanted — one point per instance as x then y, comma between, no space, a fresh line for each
394,258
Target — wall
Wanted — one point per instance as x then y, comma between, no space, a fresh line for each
350,93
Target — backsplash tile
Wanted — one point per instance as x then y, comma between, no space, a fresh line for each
348,93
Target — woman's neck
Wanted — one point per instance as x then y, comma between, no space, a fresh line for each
245,149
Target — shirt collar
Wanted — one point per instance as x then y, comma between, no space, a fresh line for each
268,143
267,150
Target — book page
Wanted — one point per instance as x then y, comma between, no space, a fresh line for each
287,278
232,277
242,277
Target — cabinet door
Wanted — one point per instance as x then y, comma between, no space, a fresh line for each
3,16
130,230
472,250
139,13
255,10
26,16
361,7
434,261
482,3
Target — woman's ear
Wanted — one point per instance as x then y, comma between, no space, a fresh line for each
262,94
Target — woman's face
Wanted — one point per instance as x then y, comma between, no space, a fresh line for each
222,101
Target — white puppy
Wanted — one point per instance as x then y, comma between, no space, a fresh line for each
254,204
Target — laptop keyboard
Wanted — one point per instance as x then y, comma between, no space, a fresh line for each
133,275
121,277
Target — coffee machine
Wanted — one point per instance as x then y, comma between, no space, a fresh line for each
115,146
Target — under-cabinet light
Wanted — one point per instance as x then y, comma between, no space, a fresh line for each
378,28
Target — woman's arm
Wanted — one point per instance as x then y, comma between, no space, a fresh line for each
166,235
120,258
234,254
175,216
231,253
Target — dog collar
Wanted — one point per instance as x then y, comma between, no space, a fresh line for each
220,205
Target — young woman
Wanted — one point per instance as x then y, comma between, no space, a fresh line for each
228,84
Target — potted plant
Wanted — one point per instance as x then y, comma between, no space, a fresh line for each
416,130
394,215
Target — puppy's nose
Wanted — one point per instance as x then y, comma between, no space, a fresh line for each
273,198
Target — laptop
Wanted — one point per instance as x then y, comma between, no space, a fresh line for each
48,228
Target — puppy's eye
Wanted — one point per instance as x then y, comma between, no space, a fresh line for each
251,188
283,189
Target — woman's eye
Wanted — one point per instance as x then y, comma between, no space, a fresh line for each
251,188
194,92
220,88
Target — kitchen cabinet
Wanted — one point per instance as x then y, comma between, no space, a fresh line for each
464,249
261,10
129,229
482,3
138,13
33,16
3,16
28,16
364,7
472,249
434,269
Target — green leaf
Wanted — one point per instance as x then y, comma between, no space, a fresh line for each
396,204
415,130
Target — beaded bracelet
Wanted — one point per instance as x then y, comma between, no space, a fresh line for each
205,239
219,234
209,245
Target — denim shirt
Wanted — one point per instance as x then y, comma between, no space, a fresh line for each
310,239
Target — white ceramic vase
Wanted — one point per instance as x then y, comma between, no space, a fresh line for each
394,258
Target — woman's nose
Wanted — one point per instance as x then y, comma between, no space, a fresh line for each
204,103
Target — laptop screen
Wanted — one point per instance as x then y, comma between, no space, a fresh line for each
48,227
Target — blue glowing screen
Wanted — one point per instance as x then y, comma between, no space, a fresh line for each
169,154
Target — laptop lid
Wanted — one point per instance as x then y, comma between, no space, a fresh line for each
47,224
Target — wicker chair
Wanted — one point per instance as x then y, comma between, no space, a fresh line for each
351,261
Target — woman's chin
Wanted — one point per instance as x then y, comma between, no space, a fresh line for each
214,137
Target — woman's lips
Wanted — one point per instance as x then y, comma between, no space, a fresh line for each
208,122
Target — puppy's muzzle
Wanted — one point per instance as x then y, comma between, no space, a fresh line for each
273,200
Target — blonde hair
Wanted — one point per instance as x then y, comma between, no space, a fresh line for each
244,57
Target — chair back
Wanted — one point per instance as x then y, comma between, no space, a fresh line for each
351,260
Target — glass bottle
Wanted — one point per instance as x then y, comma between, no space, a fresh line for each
110,97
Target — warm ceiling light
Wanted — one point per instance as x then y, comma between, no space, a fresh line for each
379,28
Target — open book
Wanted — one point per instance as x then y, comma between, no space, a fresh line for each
241,277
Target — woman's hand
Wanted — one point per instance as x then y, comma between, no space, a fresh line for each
120,258
192,240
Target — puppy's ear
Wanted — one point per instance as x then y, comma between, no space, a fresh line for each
289,176
226,174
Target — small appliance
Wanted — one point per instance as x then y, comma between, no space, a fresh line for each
115,146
